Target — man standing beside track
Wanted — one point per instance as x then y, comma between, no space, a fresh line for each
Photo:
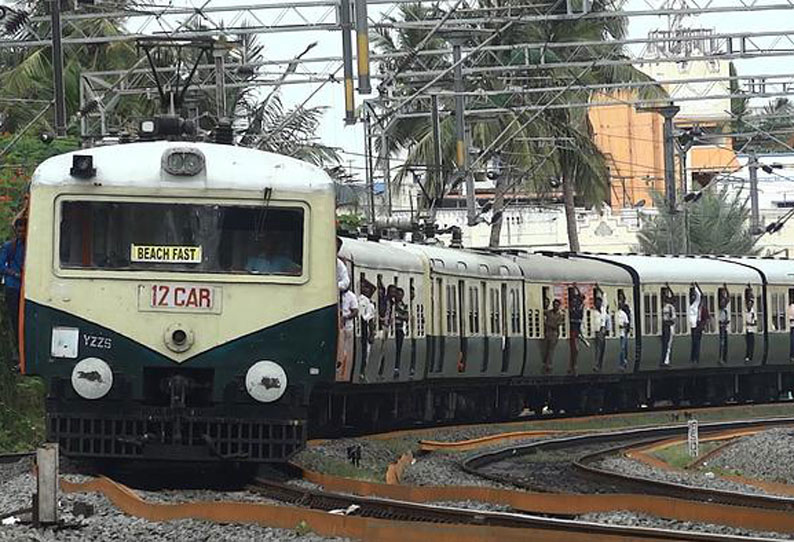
12,260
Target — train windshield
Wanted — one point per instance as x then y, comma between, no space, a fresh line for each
197,238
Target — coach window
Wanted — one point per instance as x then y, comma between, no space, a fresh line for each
777,310
474,309
681,304
650,308
452,309
737,314
197,238
711,303
496,329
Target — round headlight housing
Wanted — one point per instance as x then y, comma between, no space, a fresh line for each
266,381
92,378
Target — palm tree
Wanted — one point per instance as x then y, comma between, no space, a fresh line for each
574,160
718,223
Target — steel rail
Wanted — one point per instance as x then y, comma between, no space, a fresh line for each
392,530
15,456
391,509
643,436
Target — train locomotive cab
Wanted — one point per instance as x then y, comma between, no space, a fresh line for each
180,300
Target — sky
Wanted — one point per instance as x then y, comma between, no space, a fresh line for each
349,139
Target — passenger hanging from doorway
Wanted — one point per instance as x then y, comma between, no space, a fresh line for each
575,314
624,329
750,325
342,276
366,311
724,320
400,325
386,297
602,325
695,328
554,318
668,325
348,314
790,315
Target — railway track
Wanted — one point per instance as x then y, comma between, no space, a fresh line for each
390,520
570,464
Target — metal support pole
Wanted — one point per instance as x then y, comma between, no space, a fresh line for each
752,164
362,40
384,152
345,21
667,112
684,190
461,149
57,68
669,155
46,502
220,82
368,172
438,180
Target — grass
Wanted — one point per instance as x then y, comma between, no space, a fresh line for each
21,411
678,455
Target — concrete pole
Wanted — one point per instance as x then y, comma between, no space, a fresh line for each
384,152
438,181
345,21
461,148
362,40
220,82
752,164
368,172
57,68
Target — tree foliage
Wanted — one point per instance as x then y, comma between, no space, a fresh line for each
718,223
536,148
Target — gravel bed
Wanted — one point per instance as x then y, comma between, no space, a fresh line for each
622,517
474,505
109,524
765,455
699,479
12,470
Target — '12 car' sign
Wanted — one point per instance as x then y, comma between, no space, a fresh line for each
179,297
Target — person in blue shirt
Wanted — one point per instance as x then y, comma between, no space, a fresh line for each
274,258
12,260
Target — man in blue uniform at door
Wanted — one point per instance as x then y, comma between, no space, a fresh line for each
12,260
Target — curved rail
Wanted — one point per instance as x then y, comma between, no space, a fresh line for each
437,523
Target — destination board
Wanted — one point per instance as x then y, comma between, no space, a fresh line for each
164,254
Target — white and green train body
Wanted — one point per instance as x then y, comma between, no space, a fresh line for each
156,312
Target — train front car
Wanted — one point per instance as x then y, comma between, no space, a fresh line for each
180,300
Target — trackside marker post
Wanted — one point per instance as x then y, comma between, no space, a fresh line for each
692,438
46,500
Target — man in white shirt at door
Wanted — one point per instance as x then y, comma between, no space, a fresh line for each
347,317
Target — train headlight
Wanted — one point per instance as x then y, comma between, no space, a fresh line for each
266,381
92,378
184,162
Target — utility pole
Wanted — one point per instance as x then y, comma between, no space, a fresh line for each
438,181
345,22
752,164
461,148
57,68
362,40
368,171
218,53
668,112
384,152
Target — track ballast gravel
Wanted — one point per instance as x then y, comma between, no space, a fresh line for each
766,455
109,524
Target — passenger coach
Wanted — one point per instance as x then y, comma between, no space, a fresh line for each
180,300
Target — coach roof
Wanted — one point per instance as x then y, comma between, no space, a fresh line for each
686,269
571,268
138,165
